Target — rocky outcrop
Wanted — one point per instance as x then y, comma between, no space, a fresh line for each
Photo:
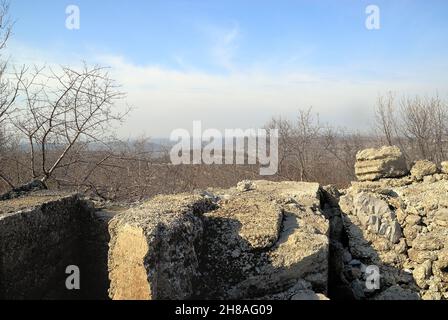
385,162
261,243
381,239
423,168
245,185
40,235
400,226
154,249
444,167
226,244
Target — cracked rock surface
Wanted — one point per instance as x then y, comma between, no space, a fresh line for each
400,225
242,244
383,238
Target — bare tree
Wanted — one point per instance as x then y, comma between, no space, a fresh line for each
416,125
285,144
439,126
63,112
307,133
8,88
385,118
298,145
343,146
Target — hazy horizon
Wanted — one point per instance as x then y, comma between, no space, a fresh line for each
235,65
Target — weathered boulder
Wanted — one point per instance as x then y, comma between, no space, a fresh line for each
154,248
278,239
385,162
245,185
423,168
375,214
246,245
444,167
422,272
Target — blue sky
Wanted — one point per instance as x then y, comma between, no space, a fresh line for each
193,58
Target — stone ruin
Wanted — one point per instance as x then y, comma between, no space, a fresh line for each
259,240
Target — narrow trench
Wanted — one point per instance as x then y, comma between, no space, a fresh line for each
94,253
338,287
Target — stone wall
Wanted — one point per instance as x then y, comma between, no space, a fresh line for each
40,235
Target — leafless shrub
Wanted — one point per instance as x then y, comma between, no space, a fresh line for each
63,113
385,118
8,89
418,125
311,151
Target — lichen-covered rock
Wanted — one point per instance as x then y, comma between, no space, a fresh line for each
423,168
444,167
245,185
244,245
258,240
280,238
401,227
385,162
422,273
42,234
154,248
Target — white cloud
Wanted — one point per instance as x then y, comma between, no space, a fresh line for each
166,99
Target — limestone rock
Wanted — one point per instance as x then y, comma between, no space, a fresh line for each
302,290
422,272
249,245
154,249
441,217
444,167
261,240
423,168
245,185
279,244
397,227
385,162
375,215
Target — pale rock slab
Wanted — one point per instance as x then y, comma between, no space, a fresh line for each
386,162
